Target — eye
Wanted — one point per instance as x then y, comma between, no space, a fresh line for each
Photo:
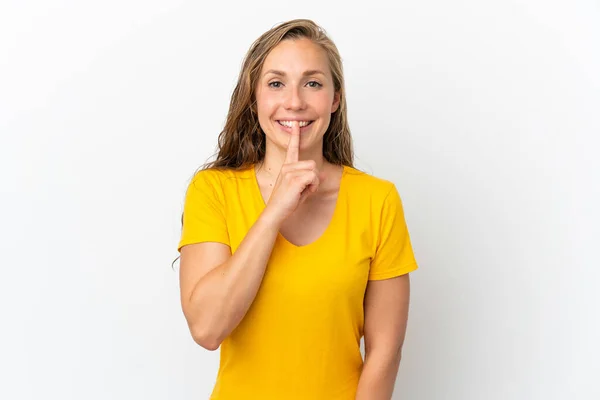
314,84
275,84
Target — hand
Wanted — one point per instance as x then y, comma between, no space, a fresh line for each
296,180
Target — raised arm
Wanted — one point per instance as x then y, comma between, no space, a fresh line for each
217,288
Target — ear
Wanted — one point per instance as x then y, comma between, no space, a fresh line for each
336,102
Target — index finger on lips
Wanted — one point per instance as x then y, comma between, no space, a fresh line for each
293,144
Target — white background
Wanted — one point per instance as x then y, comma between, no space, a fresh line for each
484,113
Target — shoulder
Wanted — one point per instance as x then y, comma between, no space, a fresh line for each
364,184
218,177
216,184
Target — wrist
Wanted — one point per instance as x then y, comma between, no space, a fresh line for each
271,217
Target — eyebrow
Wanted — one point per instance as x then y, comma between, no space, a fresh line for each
306,73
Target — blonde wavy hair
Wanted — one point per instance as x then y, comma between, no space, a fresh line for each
241,143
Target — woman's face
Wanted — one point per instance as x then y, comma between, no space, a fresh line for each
296,84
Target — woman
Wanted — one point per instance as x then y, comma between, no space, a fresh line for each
289,254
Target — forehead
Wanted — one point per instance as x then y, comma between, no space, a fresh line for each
296,56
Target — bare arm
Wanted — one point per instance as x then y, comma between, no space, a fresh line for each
386,315
217,288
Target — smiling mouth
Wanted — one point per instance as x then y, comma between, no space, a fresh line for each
288,124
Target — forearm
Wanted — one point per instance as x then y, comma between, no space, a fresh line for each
378,376
222,297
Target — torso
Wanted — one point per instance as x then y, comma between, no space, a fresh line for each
305,324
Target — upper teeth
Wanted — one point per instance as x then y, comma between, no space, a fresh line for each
289,123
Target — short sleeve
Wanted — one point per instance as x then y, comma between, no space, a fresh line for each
393,253
203,212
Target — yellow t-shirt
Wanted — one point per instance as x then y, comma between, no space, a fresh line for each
301,336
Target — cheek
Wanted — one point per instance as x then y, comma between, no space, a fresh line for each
265,108
323,104
266,102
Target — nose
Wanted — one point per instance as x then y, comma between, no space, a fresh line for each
294,100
